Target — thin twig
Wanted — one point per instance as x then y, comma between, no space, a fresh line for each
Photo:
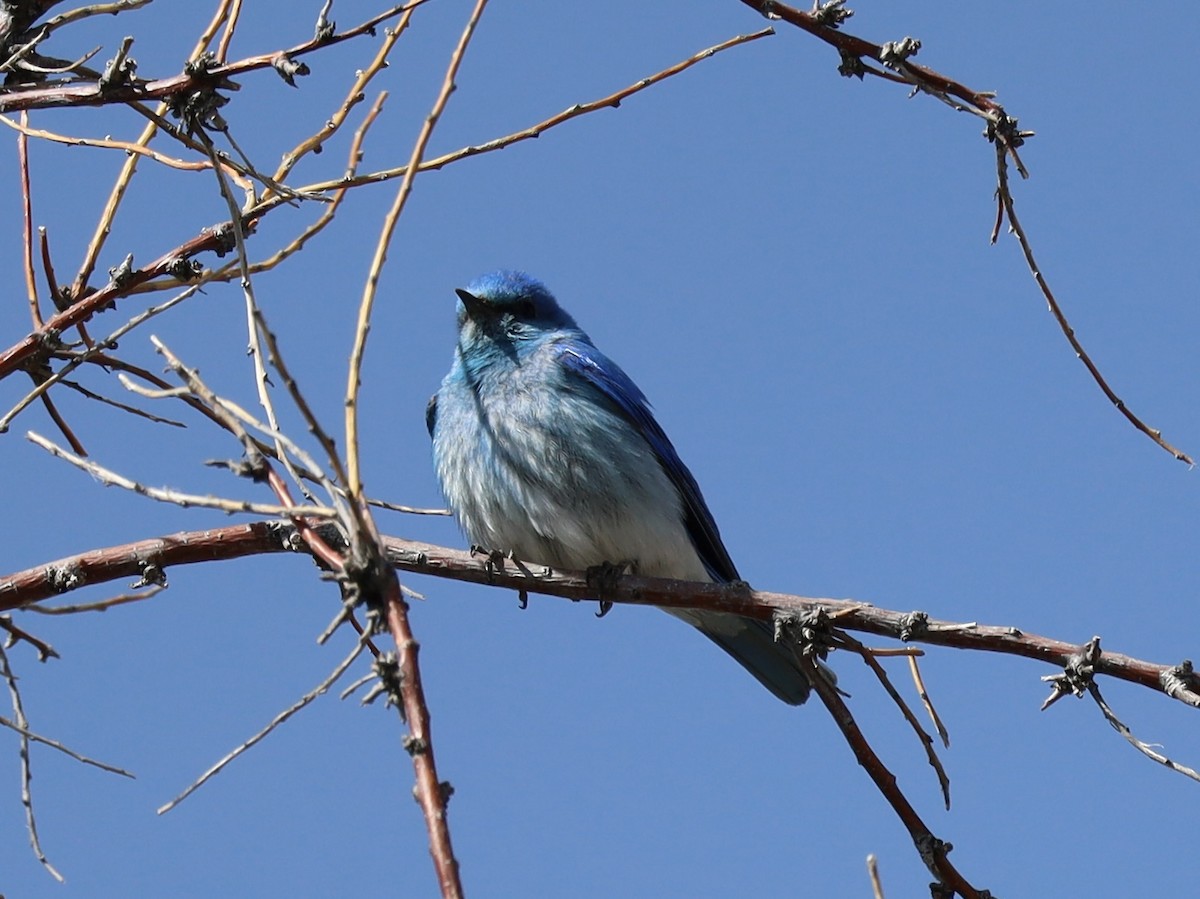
93,352
873,873
22,728
121,185
57,418
106,143
328,210
16,634
611,101
933,851
212,238
65,750
1002,131
1006,199
354,379
926,741
927,702
1144,748
178,498
253,315
411,510
354,96
35,311
102,605
90,94
92,9
319,690
231,22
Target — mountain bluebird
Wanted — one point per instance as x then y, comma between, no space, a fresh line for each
546,448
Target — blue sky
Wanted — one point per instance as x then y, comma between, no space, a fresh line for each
795,268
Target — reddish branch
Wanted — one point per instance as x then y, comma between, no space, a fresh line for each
823,21
365,578
258,538
93,94
850,46
45,339
431,793
933,851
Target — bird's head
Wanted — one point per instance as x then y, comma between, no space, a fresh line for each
509,307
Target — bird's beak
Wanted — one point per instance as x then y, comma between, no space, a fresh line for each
473,304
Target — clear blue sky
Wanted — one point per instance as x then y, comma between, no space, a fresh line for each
795,268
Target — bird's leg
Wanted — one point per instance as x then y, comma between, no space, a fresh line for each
603,578
495,558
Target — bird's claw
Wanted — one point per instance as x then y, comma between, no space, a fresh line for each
603,578
494,564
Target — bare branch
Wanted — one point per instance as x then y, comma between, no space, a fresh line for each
263,537
354,378
22,728
319,690
179,498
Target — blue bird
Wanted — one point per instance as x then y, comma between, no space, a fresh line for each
544,447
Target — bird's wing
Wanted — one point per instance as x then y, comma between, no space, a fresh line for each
582,360
431,414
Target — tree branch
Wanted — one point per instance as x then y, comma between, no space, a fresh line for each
262,537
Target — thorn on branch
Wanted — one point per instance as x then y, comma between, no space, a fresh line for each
1004,128
325,28
831,13
914,625
226,238
364,579
1076,676
930,848
766,9
1181,682
851,66
387,669
152,575
289,68
121,275
120,69
185,270
197,109
894,53
64,579
810,630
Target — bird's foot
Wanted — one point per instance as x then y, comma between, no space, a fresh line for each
603,578
494,564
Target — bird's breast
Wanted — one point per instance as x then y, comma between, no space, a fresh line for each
533,465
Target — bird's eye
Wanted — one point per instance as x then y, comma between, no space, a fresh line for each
526,309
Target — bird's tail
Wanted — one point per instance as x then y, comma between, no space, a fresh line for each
776,665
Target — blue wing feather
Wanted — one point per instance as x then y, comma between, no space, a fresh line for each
586,362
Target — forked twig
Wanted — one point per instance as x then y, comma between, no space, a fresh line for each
868,657
22,729
305,700
933,852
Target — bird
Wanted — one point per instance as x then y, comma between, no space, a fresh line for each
547,450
